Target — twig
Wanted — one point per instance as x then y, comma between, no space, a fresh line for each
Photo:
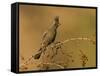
57,46
84,58
73,39
26,61
61,43
53,64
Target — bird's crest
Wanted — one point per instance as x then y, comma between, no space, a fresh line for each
57,19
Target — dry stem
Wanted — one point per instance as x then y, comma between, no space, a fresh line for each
59,44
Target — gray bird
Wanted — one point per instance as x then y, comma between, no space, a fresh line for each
48,37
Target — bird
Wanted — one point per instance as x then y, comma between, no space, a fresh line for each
48,37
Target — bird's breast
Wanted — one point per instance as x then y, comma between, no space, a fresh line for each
50,37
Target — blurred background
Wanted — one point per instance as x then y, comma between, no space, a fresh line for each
75,23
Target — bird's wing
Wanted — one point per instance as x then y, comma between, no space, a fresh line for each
44,35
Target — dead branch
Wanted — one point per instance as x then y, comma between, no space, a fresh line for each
73,39
57,46
84,58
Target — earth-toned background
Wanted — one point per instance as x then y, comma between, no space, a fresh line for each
75,23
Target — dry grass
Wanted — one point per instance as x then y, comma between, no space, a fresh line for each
56,47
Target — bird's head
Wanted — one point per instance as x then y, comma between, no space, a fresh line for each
57,21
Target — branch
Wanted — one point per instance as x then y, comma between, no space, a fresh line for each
73,39
84,58
59,44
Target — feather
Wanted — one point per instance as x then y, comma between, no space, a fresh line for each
37,56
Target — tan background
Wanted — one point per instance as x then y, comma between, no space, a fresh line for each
75,22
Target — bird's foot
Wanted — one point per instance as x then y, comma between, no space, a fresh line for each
57,46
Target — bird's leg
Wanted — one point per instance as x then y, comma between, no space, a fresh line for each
55,48
59,46
54,53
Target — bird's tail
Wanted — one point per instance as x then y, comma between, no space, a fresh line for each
38,55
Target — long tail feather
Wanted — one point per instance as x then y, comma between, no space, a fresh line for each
37,56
